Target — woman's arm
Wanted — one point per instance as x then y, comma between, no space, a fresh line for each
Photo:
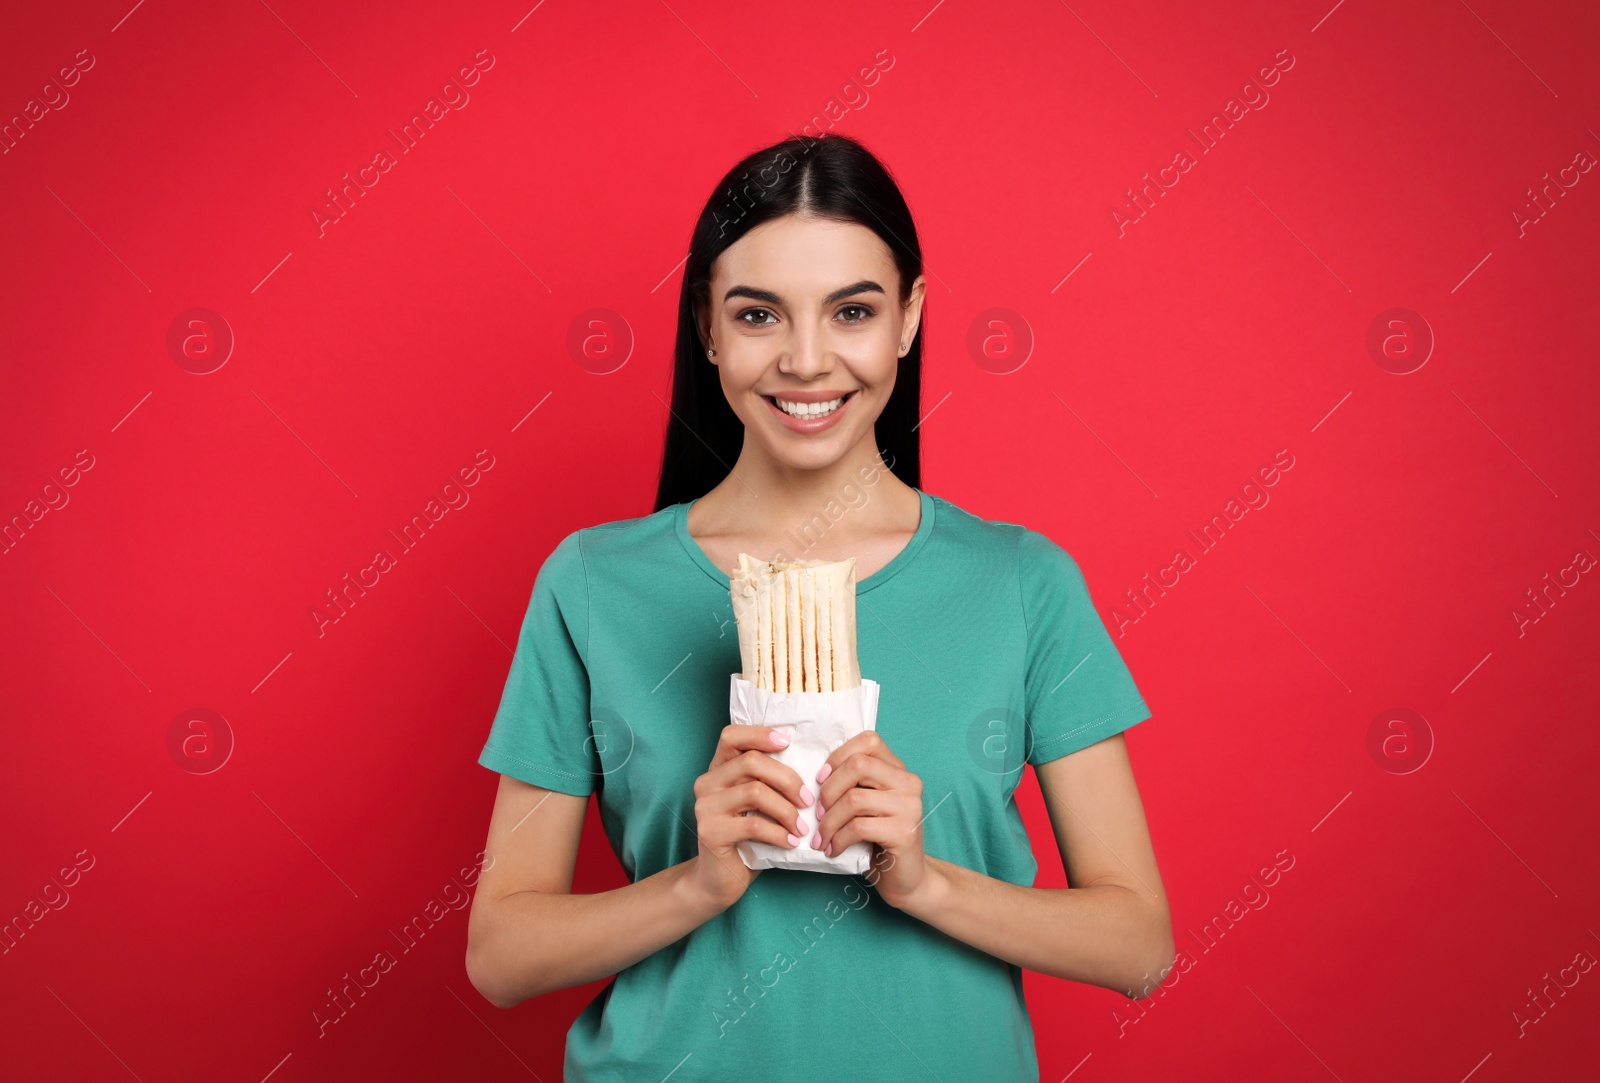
527,934
1112,929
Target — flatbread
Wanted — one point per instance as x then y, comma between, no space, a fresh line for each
791,599
822,585
764,660
808,629
746,600
842,601
797,623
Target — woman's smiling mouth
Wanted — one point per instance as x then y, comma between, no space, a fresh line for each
809,411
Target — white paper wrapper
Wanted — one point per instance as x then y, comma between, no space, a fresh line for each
817,723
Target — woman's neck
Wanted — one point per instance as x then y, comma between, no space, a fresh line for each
853,507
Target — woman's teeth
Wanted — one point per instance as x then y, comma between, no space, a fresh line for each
809,409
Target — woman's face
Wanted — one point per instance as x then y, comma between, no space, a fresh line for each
806,312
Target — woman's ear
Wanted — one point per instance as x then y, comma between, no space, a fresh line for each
913,310
702,327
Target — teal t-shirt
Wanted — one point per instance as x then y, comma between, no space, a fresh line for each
989,654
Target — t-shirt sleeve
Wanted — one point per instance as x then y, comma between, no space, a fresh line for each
541,731
1078,689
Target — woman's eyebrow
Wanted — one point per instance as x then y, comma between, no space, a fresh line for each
866,285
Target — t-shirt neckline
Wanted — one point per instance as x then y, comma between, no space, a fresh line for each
680,522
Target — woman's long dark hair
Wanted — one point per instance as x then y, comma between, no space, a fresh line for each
833,177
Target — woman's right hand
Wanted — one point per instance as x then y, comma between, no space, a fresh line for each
743,778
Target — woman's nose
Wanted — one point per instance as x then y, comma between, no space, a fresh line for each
807,357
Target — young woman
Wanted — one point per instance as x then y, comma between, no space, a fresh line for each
798,358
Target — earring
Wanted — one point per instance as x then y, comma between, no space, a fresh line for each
711,353
903,349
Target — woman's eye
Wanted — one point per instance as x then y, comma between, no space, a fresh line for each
755,312
863,309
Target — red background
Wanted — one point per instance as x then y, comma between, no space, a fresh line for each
371,362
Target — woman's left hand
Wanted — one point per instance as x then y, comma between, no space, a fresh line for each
866,794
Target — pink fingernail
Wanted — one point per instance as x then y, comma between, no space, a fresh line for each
820,809
822,775
816,841
805,795
794,840
779,737
829,850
